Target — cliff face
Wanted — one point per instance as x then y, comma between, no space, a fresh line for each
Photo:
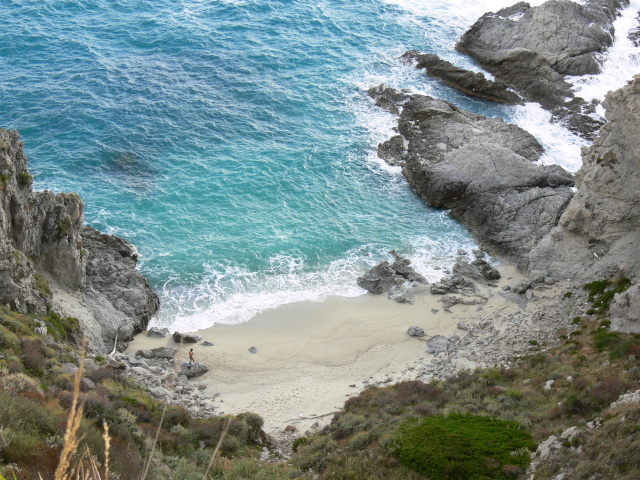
598,235
49,258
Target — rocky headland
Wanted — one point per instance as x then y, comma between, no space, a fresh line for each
534,49
480,168
50,260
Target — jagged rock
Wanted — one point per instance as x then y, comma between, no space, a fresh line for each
207,343
441,344
600,227
625,311
479,269
185,338
483,170
116,364
191,370
470,83
87,384
453,284
533,48
120,297
155,332
391,278
69,368
449,301
165,352
414,331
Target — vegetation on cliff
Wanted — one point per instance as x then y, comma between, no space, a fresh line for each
444,429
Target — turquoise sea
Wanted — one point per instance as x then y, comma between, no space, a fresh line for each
233,142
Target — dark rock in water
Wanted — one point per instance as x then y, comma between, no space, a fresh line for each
392,151
483,170
634,34
470,83
185,338
191,370
534,48
391,278
415,332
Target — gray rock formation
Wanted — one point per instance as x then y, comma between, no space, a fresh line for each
481,168
191,370
598,235
470,83
186,338
391,278
534,48
47,257
415,331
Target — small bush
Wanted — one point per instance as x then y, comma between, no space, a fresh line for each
460,447
33,355
299,442
25,179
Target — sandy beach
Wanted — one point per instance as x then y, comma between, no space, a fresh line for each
312,356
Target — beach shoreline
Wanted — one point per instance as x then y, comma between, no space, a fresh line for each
310,357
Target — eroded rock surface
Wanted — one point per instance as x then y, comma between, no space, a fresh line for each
483,169
598,236
534,48
394,279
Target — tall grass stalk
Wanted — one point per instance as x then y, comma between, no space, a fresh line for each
64,471
217,450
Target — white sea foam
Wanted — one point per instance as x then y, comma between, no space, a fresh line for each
620,62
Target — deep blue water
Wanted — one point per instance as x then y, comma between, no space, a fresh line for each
233,141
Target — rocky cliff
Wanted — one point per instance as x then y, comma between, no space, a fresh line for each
598,235
49,259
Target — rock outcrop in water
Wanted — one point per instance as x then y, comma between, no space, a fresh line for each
394,279
48,258
598,236
481,168
535,48
470,83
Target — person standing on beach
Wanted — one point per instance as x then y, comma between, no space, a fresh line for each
191,360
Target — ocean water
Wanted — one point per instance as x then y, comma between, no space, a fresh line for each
233,142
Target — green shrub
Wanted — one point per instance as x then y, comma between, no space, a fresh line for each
462,447
298,442
25,179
